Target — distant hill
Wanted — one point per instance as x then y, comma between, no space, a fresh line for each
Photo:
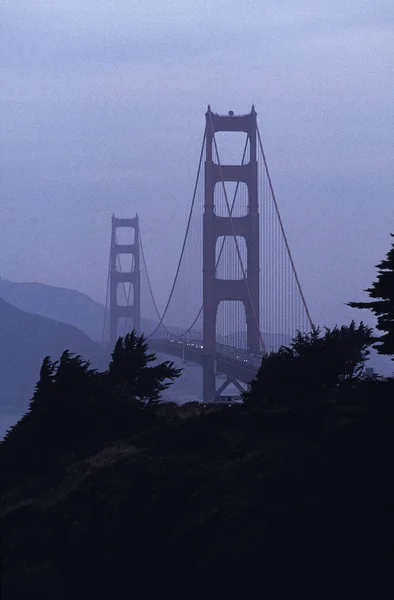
25,339
61,304
79,310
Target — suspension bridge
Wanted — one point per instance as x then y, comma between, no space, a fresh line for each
237,299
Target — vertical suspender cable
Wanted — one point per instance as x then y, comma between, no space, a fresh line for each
283,231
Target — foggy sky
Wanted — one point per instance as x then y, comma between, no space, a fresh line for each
102,110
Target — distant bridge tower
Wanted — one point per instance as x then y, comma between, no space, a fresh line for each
216,290
132,307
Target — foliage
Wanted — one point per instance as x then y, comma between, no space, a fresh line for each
74,402
238,488
312,364
44,385
131,371
221,497
382,305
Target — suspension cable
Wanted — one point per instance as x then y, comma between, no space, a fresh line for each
283,230
149,282
184,239
235,237
127,295
223,241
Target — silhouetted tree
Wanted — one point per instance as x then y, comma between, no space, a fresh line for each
75,407
312,364
131,370
44,386
75,390
382,305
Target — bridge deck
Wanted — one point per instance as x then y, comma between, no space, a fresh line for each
234,363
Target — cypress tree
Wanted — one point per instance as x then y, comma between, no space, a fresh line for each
382,304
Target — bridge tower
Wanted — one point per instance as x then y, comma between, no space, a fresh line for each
132,309
215,290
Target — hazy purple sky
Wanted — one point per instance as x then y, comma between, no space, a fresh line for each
102,110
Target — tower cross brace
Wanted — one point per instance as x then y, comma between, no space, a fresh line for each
216,290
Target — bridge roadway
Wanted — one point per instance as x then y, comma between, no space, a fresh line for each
231,362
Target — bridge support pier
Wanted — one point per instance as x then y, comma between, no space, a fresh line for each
209,377
216,290
228,382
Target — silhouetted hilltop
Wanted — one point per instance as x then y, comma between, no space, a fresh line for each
24,340
104,489
226,495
